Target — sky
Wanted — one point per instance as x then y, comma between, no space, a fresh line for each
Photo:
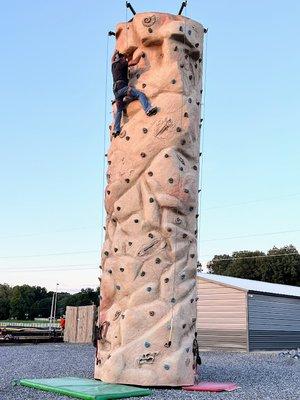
53,137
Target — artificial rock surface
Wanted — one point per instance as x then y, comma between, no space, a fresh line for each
149,258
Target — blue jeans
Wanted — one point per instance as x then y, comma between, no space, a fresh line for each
133,94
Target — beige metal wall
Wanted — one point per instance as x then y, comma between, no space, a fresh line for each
79,324
221,317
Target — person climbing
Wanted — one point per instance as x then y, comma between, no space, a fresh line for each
121,88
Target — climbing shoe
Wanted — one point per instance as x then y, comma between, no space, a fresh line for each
151,111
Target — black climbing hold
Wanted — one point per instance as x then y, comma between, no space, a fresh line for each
181,65
181,29
193,320
197,215
205,30
130,243
171,180
151,200
197,102
197,298
183,326
187,349
108,192
183,276
149,289
186,115
173,81
168,344
157,260
151,313
144,85
173,300
201,120
181,168
104,228
150,173
186,56
150,235
190,77
166,155
169,229
189,100
122,269
118,287
189,32
184,235
196,66
106,155
106,253
191,208
175,48
113,220
150,30
196,44
186,191
178,129
166,280
145,130
115,249
136,221
127,180
192,255
109,162
195,167
143,155
196,232
137,76
183,142
118,208
143,273
147,344
192,300
167,367
127,138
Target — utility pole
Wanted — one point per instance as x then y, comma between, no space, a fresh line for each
53,307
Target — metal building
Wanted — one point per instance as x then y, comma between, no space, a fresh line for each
243,314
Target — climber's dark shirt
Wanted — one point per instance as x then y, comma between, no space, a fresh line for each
119,71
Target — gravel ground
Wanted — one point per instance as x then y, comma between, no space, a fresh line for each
261,376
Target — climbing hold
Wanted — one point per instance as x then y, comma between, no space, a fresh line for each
151,313
178,129
186,115
205,30
196,44
166,280
193,320
130,243
191,208
149,289
118,208
127,138
184,235
196,232
169,229
143,155
197,215
150,173
183,142
168,344
173,81
199,190
183,326
181,29
137,76
127,180
145,130
189,32
157,260
118,287
195,167
171,180
122,269
190,77
197,102
181,65
144,85
173,300
143,273
106,253
167,367
149,21
175,48
150,235
192,300
108,192
192,255
115,249
113,220
186,191
183,276
151,200
187,349
105,154
166,155
197,298
109,162
186,56
189,100
150,30
136,221
181,168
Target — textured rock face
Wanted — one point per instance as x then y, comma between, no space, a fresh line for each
148,289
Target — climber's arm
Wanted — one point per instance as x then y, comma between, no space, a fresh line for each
136,60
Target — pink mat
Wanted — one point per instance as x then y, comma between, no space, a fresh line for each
212,387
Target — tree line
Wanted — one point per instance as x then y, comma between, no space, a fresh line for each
278,265
29,302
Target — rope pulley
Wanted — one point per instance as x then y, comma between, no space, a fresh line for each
128,5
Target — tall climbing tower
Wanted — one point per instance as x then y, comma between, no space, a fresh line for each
147,316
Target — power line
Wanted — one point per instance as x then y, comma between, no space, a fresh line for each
41,267
51,232
52,269
51,254
251,235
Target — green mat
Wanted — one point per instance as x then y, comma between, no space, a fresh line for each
87,389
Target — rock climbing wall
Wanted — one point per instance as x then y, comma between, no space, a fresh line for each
148,288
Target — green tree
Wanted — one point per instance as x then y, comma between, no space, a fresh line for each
5,293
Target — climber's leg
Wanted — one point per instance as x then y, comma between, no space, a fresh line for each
136,94
118,116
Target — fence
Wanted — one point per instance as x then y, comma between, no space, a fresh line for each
79,324
30,324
